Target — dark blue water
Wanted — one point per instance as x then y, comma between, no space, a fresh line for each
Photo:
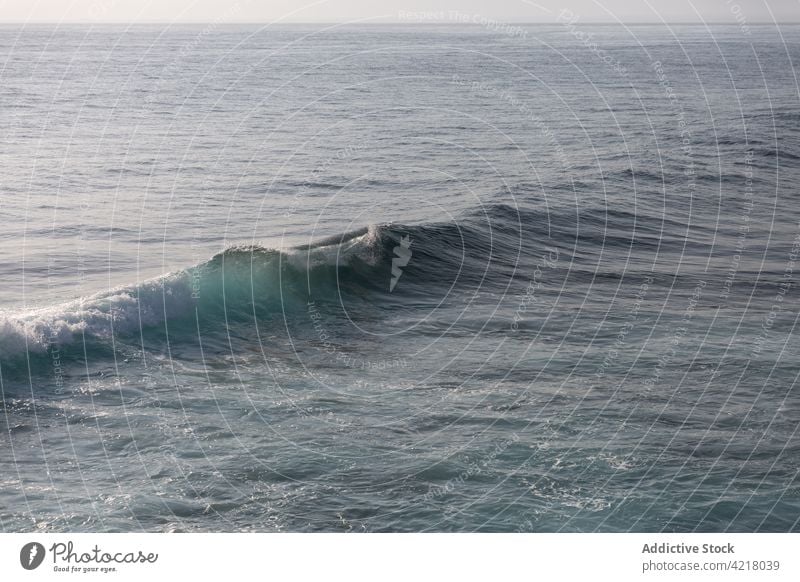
399,278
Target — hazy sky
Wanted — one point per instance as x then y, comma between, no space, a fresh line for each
395,10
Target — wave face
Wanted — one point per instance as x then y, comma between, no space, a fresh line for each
244,283
491,250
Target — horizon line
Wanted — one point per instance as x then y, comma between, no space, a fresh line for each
400,22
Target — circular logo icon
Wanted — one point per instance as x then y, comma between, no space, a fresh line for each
31,555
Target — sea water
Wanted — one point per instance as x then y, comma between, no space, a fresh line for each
399,278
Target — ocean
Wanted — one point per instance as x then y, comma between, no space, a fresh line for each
399,278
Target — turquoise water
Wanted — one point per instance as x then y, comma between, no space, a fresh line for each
399,278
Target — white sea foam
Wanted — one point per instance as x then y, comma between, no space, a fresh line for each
120,310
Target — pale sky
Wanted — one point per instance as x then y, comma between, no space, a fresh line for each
749,11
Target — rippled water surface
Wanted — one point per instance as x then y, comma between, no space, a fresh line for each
399,278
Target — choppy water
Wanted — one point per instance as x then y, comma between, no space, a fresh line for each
419,278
